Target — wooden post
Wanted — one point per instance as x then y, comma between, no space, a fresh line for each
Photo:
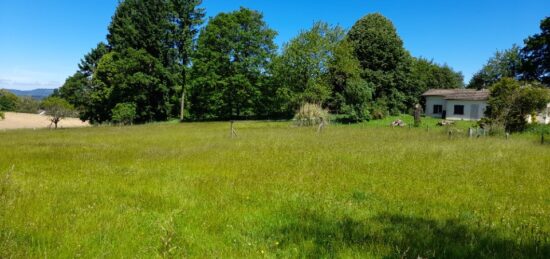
321,126
507,135
233,132
450,134
417,114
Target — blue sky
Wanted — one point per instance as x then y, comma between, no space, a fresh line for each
42,41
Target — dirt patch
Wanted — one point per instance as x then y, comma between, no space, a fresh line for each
15,120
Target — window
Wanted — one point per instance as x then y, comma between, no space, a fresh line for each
459,110
438,109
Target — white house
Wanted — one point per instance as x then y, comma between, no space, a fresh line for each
543,117
456,104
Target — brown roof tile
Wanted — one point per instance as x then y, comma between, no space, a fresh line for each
459,94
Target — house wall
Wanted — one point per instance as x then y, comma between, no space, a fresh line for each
430,102
543,117
482,106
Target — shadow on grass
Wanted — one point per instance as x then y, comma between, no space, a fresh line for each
398,236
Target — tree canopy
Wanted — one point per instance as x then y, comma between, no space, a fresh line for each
536,55
426,74
512,101
231,65
8,100
302,70
57,108
157,59
384,60
132,76
503,64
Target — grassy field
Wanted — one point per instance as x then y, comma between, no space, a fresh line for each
188,190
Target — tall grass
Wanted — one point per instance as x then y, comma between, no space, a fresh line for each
188,190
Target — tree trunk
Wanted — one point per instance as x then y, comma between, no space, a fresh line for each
182,111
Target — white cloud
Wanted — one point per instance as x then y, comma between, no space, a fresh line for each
28,85
27,80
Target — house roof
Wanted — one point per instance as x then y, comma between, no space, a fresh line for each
459,94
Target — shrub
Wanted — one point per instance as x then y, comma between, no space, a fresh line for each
2,115
58,109
379,112
8,101
511,102
311,115
124,113
27,105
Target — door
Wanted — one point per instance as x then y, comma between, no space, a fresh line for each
474,111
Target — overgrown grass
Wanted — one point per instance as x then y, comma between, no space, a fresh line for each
189,190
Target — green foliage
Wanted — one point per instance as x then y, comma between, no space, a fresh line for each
78,88
236,73
425,75
8,100
140,24
384,61
2,115
230,65
124,113
311,115
131,76
89,63
57,108
165,30
511,102
302,71
503,64
351,93
27,104
536,55
187,191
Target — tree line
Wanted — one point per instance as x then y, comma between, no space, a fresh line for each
163,61
518,79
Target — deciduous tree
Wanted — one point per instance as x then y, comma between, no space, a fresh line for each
231,65
57,108
302,71
384,61
503,64
511,102
536,55
351,94
8,100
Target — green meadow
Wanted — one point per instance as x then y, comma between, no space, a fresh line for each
352,191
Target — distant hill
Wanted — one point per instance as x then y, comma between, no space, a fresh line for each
38,94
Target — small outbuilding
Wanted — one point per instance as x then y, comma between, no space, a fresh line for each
456,104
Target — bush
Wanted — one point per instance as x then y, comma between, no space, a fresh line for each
124,113
27,105
8,101
57,108
512,101
2,115
379,112
311,115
